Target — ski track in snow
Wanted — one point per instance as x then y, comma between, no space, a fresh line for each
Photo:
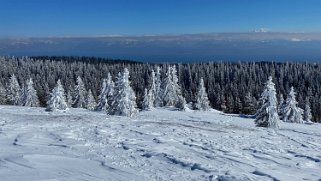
155,145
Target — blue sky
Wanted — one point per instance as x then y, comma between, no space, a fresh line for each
43,18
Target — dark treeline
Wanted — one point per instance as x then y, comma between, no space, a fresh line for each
230,86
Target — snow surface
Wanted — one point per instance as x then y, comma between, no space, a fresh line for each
162,144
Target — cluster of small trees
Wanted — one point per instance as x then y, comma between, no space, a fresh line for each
16,95
270,112
116,98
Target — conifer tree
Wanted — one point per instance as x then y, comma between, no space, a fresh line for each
14,91
69,99
172,95
202,102
57,99
249,105
307,116
106,94
292,113
22,95
182,104
148,102
169,94
267,115
91,103
3,98
124,101
281,106
153,90
79,94
158,91
31,95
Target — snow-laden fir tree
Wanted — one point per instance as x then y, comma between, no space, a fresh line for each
172,95
14,91
106,94
69,99
202,102
182,105
79,94
124,101
158,91
23,95
267,115
249,104
91,103
148,103
291,112
3,94
281,106
307,116
57,99
31,95
153,90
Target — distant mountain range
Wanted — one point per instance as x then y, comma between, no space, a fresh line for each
254,46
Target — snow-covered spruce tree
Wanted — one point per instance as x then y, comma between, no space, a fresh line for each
3,94
23,95
91,103
169,93
267,115
31,95
182,104
57,99
249,104
69,99
172,95
281,106
152,91
13,91
158,91
79,94
202,102
124,101
106,94
148,103
307,116
292,113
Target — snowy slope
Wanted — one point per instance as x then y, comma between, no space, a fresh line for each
155,145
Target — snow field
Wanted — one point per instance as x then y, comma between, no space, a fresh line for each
162,144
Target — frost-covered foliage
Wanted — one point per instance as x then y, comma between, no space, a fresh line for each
157,81
106,94
69,99
90,101
182,105
14,91
57,99
148,102
267,115
31,95
153,89
22,95
124,100
79,94
3,94
202,102
307,116
281,106
227,83
249,104
291,112
171,91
